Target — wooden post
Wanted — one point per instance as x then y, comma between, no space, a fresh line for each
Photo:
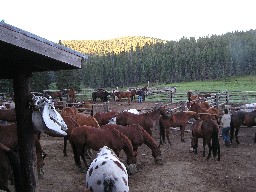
25,131
171,97
105,106
227,97
92,111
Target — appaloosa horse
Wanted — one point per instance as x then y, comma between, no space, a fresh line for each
138,136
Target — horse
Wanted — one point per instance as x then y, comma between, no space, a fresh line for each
87,136
8,115
179,119
123,94
69,111
103,118
138,136
146,120
54,94
107,173
241,118
102,94
209,131
133,94
9,163
85,119
71,95
9,138
211,113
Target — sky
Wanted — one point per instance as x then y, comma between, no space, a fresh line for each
57,20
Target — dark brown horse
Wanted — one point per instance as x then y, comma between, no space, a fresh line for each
101,94
87,136
8,115
9,138
145,120
9,163
241,118
54,94
209,131
138,136
103,118
179,119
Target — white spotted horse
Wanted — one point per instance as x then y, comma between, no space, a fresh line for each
107,173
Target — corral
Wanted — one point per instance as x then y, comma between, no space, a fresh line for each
181,171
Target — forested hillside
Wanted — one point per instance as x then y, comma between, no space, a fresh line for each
132,61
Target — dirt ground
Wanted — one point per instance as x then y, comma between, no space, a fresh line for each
181,171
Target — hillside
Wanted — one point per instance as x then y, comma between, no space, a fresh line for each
116,45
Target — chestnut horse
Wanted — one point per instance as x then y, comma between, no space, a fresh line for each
179,119
9,163
145,120
138,136
103,118
54,94
69,111
211,113
241,118
87,136
123,94
209,131
71,95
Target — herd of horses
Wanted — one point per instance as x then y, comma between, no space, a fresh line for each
94,132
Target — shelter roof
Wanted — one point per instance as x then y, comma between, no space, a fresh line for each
21,50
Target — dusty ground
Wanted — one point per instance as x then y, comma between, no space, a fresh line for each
181,171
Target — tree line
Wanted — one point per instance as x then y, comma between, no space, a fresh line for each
124,63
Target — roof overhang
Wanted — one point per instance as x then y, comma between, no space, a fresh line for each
21,50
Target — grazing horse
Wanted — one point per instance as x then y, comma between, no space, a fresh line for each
241,118
107,173
103,118
87,136
145,120
123,94
179,119
209,131
8,115
138,136
9,163
211,113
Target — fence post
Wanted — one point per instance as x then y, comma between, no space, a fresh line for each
92,111
217,100
105,106
171,97
227,97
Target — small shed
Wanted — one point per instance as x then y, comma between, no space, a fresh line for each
22,53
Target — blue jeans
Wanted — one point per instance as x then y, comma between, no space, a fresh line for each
140,99
225,134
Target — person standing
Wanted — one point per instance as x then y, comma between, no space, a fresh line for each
225,122
140,94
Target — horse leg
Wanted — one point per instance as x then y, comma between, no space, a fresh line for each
210,149
65,147
76,156
204,143
236,134
255,138
182,130
83,157
167,136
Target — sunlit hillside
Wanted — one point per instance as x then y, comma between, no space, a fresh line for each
108,46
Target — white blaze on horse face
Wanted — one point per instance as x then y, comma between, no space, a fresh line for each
107,171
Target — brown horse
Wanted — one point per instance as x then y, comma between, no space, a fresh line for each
71,95
145,120
241,118
85,119
209,131
103,118
8,115
123,94
69,111
179,119
211,113
9,138
53,94
138,136
9,163
87,136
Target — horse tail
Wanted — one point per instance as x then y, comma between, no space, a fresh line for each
15,163
215,140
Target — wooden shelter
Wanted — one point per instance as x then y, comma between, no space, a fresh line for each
22,53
